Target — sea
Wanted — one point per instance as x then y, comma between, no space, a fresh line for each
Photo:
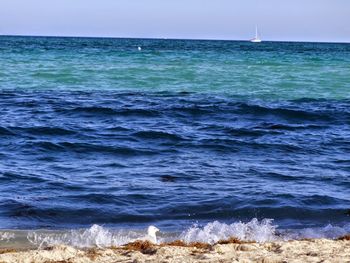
100,139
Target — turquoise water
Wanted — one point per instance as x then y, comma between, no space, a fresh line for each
95,133
268,70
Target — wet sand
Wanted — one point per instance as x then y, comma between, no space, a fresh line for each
313,250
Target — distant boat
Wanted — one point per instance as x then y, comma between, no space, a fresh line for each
256,39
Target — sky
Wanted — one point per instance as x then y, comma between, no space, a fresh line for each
285,20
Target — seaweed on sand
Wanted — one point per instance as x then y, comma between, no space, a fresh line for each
231,240
345,238
145,247
180,243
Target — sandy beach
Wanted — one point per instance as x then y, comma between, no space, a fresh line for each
313,250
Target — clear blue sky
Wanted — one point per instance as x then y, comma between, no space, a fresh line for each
310,20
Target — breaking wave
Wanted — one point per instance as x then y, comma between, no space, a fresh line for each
95,236
6,236
255,230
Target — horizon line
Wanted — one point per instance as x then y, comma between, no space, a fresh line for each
159,38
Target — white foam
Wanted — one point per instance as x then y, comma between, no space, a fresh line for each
255,230
7,236
95,236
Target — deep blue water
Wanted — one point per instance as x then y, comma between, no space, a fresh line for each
94,132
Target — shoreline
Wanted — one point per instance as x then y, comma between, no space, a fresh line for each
232,250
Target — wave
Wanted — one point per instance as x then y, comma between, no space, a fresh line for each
102,237
237,132
16,177
157,135
94,110
5,131
232,145
284,112
185,108
255,230
89,148
100,111
289,127
96,236
54,131
7,236
195,110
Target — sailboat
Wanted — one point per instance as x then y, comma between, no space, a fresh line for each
256,39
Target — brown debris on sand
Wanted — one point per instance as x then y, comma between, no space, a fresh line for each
346,237
8,250
145,247
180,243
231,240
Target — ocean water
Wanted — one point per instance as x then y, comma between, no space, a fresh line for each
200,138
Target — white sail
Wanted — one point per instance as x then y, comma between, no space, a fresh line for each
256,39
